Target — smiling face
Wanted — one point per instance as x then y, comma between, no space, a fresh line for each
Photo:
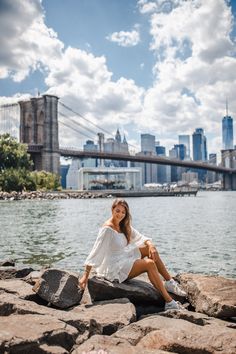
118,213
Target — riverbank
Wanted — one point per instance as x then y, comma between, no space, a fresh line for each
38,195
126,317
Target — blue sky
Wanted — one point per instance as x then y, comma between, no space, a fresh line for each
160,67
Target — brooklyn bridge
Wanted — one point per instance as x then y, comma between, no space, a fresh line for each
40,119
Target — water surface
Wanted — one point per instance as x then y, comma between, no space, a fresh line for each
192,234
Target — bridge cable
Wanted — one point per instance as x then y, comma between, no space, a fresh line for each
76,130
77,123
87,120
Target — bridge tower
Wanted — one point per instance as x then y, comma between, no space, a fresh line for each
39,129
228,158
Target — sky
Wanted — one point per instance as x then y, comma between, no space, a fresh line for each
160,67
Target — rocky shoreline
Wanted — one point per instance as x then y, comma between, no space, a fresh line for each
40,195
45,312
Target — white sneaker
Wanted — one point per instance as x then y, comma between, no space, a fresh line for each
174,305
173,287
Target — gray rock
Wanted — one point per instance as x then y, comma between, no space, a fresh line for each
7,263
137,291
213,295
8,272
59,288
21,334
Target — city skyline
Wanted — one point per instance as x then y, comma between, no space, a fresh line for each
143,67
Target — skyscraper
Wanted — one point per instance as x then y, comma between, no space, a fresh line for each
199,145
185,139
148,143
227,131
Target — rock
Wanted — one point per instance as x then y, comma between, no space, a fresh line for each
105,344
59,288
177,335
7,263
17,287
52,349
12,272
23,334
101,318
213,295
110,315
33,277
137,291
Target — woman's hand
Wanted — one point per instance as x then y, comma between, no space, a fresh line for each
152,252
83,281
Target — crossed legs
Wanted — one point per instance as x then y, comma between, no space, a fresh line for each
153,269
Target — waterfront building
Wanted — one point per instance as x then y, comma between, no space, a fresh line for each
149,171
212,176
185,140
90,146
116,145
63,173
177,152
200,150
161,169
173,154
189,177
72,174
227,132
102,178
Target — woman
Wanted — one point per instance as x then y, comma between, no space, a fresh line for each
121,252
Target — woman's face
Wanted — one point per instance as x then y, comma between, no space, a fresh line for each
118,213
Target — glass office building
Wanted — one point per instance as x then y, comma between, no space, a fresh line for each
227,132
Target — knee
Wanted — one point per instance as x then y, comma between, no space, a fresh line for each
150,264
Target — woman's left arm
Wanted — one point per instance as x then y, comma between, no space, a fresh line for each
152,251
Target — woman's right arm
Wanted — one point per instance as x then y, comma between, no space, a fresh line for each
97,254
83,281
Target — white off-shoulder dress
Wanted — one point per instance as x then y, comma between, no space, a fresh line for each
111,256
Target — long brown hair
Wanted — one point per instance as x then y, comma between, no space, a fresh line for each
125,224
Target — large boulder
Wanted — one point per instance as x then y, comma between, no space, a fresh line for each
109,315
17,287
137,291
106,344
59,288
179,335
213,295
21,334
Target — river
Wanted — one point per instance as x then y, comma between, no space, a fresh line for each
192,234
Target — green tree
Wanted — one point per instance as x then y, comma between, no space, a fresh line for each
46,180
13,154
15,169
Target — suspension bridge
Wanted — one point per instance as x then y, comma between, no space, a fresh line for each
44,123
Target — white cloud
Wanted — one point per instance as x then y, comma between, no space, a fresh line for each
193,74
25,39
146,7
194,54
125,39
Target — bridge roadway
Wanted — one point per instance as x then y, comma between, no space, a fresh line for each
148,159
160,160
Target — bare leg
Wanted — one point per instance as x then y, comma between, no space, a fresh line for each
148,265
160,265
